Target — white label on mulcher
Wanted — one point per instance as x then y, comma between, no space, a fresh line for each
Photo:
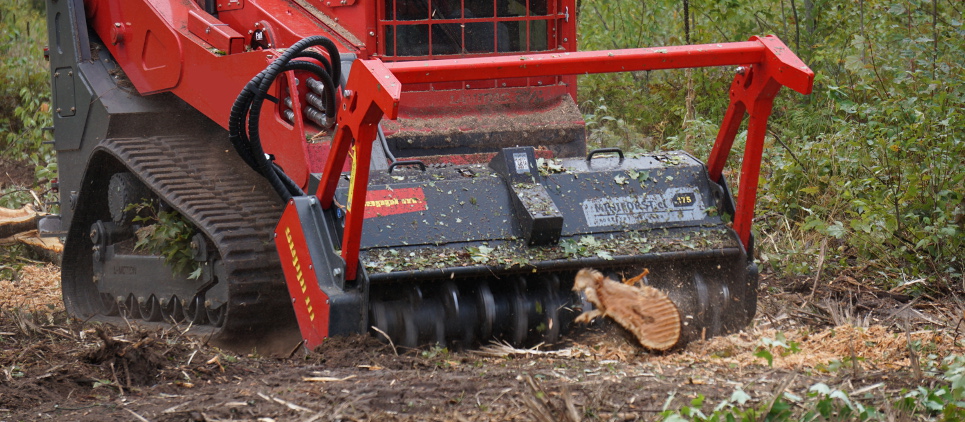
676,204
522,162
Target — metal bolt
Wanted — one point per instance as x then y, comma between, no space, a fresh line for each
56,74
73,109
337,272
70,73
344,2
293,300
565,39
741,70
371,33
117,24
58,109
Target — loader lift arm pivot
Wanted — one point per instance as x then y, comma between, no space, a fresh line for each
374,90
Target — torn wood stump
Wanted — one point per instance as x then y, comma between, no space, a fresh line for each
20,226
644,311
13,222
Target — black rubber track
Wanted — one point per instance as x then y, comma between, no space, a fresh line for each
211,186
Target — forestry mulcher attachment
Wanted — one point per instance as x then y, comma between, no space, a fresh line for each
414,166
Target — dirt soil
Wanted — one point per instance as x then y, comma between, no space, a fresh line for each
52,367
56,368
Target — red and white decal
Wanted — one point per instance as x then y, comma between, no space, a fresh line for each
380,203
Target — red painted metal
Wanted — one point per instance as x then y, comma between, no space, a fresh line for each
216,33
174,46
309,301
376,88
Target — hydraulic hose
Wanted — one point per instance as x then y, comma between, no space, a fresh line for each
247,107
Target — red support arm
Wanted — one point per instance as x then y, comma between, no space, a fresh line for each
752,92
374,89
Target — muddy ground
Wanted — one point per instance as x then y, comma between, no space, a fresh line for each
52,367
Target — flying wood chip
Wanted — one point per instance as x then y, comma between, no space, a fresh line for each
645,311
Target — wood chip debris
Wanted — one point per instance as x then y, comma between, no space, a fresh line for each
327,379
503,349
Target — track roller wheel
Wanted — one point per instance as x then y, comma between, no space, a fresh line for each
194,311
108,305
216,316
130,308
173,310
151,309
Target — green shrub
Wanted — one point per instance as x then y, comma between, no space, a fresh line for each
25,95
871,161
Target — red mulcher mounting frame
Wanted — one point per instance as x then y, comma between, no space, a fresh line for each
373,91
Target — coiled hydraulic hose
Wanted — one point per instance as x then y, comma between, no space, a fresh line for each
247,107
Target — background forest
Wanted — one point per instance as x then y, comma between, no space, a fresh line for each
864,177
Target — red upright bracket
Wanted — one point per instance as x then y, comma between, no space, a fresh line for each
753,92
374,89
